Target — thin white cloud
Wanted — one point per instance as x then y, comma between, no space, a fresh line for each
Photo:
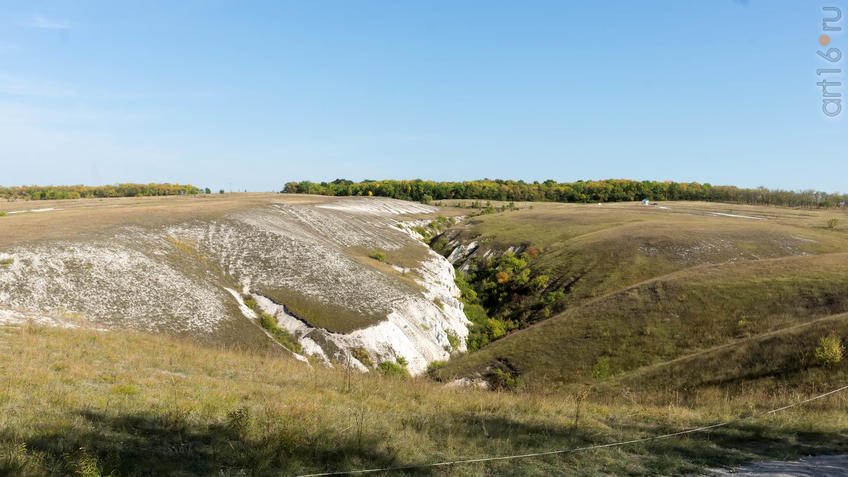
39,21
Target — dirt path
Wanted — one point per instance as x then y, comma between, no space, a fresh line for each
825,466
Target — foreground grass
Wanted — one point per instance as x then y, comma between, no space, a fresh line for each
99,403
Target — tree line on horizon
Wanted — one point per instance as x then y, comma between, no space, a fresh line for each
33,192
610,190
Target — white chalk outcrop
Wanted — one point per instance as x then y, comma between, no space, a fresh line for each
175,278
416,328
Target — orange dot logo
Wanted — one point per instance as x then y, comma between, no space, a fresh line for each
824,40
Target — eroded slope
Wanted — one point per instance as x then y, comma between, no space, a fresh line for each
304,262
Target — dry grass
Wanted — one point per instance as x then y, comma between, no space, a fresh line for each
79,218
136,404
671,316
645,285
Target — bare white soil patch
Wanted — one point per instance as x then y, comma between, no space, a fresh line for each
16,318
736,215
48,209
379,206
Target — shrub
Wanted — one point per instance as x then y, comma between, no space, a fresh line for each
379,256
6,262
830,350
504,380
432,367
362,356
475,314
2,213
832,223
540,282
440,246
396,369
469,296
221,191
281,335
453,340
553,297
424,232
439,303
602,369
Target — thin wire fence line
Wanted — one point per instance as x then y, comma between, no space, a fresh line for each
580,449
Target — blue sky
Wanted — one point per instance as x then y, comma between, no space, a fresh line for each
250,95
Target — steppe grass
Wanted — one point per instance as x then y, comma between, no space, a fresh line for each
590,251
320,313
663,319
79,402
644,285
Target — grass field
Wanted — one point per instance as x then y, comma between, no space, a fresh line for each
79,402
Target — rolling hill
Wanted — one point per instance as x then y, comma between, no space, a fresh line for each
208,267
645,285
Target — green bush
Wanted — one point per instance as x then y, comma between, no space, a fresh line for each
362,356
469,296
396,369
832,223
6,262
2,213
830,350
440,246
281,335
379,256
504,380
602,369
453,340
432,367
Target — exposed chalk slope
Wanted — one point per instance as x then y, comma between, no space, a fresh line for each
310,257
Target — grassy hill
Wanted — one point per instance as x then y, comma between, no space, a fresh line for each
667,317
644,285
